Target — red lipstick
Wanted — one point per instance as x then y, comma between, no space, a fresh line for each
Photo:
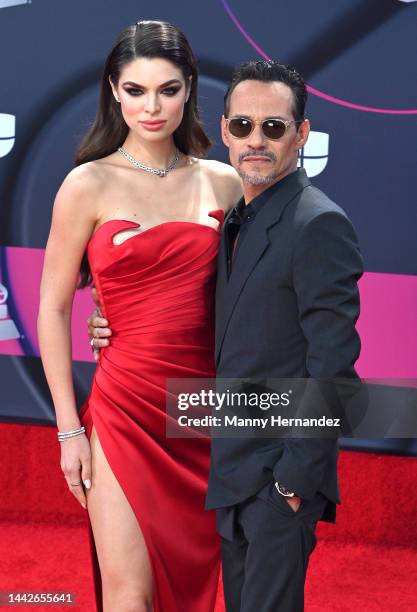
153,126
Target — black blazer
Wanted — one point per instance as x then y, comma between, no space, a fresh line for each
288,311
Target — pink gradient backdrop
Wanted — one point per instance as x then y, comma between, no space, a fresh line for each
387,325
25,271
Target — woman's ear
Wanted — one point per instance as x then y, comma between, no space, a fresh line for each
189,84
114,90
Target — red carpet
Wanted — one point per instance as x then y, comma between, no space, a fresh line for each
367,562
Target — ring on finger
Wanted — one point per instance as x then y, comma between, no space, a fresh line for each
75,484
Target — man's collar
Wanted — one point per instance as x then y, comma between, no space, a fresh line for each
289,183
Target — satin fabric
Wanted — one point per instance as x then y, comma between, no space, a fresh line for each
157,291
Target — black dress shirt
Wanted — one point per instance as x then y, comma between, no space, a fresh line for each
241,218
238,225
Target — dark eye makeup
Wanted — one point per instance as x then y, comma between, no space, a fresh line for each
168,91
171,91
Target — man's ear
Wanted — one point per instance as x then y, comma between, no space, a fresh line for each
113,90
224,131
303,133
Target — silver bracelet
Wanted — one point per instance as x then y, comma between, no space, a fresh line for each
63,435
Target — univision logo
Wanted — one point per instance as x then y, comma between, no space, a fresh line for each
7,133
6,3
315,153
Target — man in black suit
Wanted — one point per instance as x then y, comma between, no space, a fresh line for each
286,306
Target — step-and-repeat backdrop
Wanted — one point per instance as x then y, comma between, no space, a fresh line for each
359,60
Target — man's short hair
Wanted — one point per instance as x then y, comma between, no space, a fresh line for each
269,71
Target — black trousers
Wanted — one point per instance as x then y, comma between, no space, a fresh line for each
266,555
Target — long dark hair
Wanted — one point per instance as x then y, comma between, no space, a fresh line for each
151,39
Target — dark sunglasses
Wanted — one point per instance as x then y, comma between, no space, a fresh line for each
273,129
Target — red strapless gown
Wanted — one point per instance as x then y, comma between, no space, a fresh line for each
157,291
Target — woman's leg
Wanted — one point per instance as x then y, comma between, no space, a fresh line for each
125,566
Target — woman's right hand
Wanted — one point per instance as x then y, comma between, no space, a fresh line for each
98,330
76,465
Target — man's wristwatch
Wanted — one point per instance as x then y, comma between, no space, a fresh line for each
284,491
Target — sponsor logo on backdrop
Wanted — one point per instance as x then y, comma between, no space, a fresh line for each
7,133
8,330
6,3
314,155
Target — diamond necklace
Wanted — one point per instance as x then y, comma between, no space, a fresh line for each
158,171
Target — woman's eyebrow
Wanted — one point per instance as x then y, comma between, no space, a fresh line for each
170,82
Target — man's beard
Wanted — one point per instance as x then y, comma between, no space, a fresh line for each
257,179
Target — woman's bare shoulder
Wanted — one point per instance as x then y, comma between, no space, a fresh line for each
88,180
83,179
219,169
81,189
86,177
225,180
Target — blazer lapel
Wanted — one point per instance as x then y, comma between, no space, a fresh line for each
255,244
222,276
222,256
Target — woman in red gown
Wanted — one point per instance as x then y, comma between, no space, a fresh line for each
147,210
